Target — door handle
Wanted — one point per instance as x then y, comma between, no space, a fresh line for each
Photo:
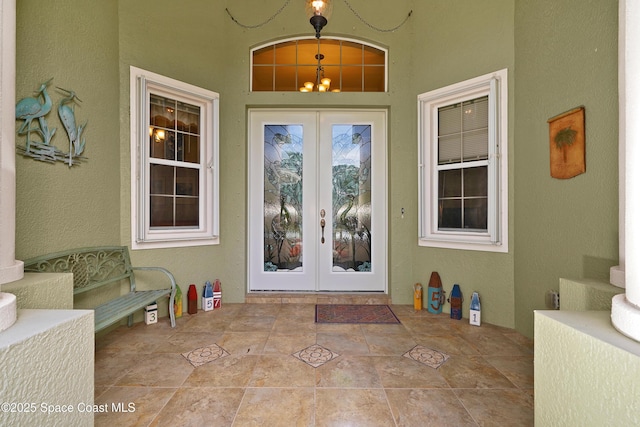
322,224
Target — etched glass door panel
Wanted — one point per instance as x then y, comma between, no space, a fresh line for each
317,204
283,197
351,192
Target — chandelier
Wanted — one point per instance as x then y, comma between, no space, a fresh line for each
322,83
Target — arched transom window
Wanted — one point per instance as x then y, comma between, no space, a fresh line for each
325,64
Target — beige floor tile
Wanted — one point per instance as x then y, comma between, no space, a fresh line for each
343,343
200,406
402,372
229,371
427,407
348,372
498,407
449,344
252,323
146,372
110,366
277,407
518,369
472,372
389,344
358,407
182,341
282,371
288,344
244,343
131,406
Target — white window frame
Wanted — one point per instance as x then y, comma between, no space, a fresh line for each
142,83
496,237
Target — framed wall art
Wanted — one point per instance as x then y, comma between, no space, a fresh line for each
567,144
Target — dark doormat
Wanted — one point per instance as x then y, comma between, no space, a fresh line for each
353,313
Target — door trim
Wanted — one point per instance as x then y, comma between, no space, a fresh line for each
258,175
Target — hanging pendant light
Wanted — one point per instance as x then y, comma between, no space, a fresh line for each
318,12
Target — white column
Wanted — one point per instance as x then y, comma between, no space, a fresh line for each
10,269
625,309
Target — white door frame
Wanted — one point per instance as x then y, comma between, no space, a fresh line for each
316,150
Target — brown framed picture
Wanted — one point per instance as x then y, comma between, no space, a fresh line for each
567,144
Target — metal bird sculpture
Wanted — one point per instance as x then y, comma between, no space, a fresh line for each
68,119
28,109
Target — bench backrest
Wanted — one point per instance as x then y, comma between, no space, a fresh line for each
91,267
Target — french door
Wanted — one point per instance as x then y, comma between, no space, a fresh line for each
317,200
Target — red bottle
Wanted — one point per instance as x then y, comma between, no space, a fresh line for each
192,298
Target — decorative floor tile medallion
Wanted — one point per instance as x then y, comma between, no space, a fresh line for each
427,356
202,355
315,355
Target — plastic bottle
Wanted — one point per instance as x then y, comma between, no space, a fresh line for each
192,299
177,303
417,297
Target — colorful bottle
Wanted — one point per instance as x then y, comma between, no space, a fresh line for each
474,309
435,295
207,296
192,300
217,294
417,297
455,299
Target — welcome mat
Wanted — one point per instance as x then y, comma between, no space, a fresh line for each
353,313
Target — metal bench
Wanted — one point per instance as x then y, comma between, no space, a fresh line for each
95,267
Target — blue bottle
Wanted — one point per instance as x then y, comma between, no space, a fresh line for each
455,299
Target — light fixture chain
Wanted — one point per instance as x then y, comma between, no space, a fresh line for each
286,3
382,30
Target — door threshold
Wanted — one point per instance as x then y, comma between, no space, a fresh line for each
368,298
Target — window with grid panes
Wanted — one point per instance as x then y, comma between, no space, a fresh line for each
463,165
174,131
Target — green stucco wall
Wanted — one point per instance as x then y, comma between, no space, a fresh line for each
559,55
76,44
566,56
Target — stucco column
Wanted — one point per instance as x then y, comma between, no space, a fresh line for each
625,309
10,269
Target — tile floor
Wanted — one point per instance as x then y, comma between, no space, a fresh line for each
262,375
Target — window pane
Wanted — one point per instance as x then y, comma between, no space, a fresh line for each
475,181
475,214
161,179
262,78
373,56
161,211
351,53
476,145
286,53
476,113
449,121
264,55
191,149
450,213
373,79
450,183
286,78
449,149
187,212
187,182
352,78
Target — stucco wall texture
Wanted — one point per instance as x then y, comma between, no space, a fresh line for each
584,371
47,360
